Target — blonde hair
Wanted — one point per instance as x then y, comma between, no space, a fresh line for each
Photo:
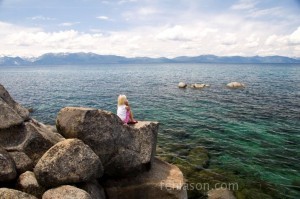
121,100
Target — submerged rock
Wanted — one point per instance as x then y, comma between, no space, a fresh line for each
253,193
220,194
66,192
182,85
8,170
6,193
199,158
69,161
235,85
125,150
296,184
162,181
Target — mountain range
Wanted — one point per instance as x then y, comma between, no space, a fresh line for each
93,59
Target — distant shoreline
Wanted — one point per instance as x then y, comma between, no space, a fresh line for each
93,59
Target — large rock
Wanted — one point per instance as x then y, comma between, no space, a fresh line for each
8,170
69,161
11,113
8,116
66,192
6,193
28,184
22,161
20,133
123,149
32,138
163,181
235,85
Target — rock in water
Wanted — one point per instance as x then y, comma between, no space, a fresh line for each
8,170
198,157
220,194
235,85
14,194
124,150
28,184
182,85
163,181
199,86
66,192
69,161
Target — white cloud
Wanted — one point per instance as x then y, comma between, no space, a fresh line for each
103,18
118,2
177,33
147,11
229,39
141,14
276,11
96,30
126,1
294,38
272,40
7,28
215,36
277,40
42,18
244,5
252,41
67,24
288,40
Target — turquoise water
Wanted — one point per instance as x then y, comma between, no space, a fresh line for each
254,132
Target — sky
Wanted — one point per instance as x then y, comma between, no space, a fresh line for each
151,28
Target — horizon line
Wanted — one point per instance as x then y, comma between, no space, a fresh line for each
80,52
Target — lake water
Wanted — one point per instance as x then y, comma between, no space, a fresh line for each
255,131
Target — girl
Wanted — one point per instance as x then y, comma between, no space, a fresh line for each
124,112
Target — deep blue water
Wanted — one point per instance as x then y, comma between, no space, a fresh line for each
255,130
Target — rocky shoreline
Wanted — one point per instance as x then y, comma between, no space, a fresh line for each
90,154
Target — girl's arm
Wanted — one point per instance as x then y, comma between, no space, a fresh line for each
127,105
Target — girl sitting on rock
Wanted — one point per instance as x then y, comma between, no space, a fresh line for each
124,111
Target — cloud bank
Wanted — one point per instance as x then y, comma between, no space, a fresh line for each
156,31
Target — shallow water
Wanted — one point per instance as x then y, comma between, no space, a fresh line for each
255,131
